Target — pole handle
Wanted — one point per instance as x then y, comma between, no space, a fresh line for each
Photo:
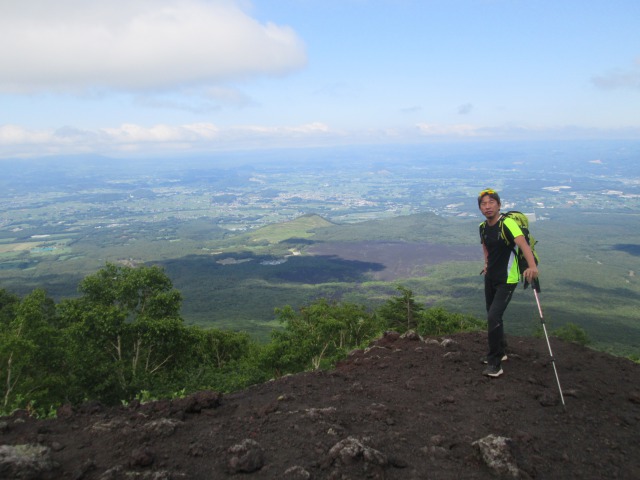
536,285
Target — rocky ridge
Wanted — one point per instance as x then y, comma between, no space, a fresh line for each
405,408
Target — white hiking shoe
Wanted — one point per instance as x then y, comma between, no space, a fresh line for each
503,359
492,371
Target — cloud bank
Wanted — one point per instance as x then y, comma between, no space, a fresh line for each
84,46
163,139
132,139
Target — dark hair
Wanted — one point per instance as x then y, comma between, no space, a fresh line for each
490,193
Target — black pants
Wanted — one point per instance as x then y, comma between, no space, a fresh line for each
497,296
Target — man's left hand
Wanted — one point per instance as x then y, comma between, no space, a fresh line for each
530,274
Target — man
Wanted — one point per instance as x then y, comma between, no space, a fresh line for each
501,273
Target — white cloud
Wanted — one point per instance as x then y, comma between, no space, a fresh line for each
16,135
624,79
228,96
81,45
413,109
18,141
465,109
197,105
448,130
135,134
162,139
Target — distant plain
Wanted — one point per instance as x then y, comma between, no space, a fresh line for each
240,234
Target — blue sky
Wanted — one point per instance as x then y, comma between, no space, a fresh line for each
157,77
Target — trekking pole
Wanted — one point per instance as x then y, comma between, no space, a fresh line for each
536,289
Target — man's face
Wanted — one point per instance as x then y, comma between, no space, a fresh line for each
489,207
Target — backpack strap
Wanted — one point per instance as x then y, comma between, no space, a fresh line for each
502,234
500,226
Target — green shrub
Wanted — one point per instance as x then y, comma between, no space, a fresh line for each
438,321
573,333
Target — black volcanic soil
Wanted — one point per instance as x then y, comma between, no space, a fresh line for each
405,408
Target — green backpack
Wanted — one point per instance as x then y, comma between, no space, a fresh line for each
523,222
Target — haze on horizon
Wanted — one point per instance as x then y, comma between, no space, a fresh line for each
154,77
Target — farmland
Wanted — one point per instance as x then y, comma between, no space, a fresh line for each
243,233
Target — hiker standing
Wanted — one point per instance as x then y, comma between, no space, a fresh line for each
499,236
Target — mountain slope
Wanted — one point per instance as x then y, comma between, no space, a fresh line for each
405,408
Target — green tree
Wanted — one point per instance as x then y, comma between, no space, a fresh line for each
125,331
221,360
11,345
31,355
8,303
219,347
318,334
401,313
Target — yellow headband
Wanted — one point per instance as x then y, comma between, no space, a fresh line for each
488,191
